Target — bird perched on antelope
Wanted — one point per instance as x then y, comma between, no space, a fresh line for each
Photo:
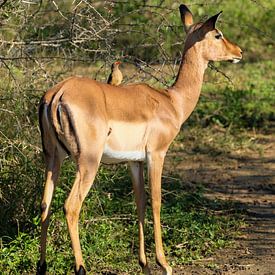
115,77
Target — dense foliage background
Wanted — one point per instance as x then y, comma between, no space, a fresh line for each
45,41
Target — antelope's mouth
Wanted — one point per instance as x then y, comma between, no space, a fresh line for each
235,60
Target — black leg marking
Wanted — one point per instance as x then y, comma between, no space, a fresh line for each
72,127
55,133
41,269
81,271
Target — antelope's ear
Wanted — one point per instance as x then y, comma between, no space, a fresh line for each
210,24
186,17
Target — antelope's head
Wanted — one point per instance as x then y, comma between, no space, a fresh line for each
206,39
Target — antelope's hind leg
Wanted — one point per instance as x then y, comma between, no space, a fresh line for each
54,156
136,169
87,169
53,163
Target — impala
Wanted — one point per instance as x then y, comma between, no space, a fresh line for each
95,122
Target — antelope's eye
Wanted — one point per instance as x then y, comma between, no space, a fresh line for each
218,36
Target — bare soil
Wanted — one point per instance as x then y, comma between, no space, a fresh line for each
247,177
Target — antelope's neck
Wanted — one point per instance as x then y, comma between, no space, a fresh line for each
186,90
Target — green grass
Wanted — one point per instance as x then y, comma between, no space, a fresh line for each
191,229
246,102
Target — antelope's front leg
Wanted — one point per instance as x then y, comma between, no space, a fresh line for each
136,169
155,165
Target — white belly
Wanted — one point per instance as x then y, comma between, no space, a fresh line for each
125,143
110,156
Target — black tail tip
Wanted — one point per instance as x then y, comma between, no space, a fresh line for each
41,269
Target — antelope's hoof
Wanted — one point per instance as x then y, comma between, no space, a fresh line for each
41,269
80,271
146,270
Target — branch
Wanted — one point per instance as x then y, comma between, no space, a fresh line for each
8,68
3,3
214,68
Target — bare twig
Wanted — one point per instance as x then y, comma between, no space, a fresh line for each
214,68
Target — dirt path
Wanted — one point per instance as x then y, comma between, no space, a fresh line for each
248,178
